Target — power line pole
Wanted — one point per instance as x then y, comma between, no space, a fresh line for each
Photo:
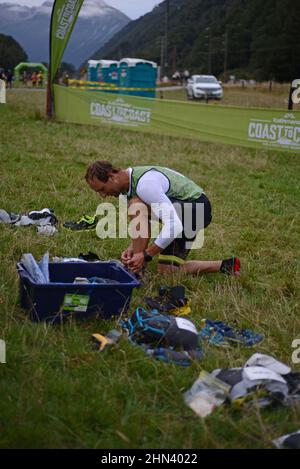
174,60
209,50
225,54
162,47
166,37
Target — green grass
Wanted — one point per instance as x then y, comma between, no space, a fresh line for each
250,96
56,391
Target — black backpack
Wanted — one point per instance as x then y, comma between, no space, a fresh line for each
157,329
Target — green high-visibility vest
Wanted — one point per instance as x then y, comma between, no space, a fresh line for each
181,187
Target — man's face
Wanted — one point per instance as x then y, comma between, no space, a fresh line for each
105,189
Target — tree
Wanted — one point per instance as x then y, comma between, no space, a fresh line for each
65,67
11,53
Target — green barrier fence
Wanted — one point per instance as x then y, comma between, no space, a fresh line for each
250,127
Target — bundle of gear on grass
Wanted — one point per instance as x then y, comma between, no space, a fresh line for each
45,220
171,300
165,337
289,441
263,381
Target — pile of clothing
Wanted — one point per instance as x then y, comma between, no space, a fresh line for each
263,381
45,220
38,272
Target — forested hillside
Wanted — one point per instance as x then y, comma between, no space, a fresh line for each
251,38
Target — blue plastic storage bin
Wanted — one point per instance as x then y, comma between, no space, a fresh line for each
138,73
61,297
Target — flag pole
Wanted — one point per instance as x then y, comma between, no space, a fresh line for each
49,101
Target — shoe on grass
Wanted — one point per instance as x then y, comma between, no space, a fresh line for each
222,334
85,223
231,266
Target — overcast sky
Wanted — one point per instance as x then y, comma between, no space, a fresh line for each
132,8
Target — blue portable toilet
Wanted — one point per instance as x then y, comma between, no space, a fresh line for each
108,71
138,73
93,70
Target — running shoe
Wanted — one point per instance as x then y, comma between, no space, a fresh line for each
85,223
231,266
221,333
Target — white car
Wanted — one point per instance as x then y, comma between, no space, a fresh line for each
204,87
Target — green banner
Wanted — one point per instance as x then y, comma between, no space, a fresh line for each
63,19
250,127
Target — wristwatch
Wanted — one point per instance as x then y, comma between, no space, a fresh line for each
147,256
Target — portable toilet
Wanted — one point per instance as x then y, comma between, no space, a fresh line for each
108,72
93,70
138,73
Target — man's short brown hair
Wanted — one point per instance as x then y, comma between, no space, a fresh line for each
100,170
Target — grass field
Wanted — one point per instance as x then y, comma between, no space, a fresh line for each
56,391
250,96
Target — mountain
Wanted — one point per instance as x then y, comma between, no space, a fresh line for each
13,12
96,24
261,37
11,53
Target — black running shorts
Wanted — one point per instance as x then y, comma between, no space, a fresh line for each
194,218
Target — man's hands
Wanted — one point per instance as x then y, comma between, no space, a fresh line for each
126,255
136,262
133,261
